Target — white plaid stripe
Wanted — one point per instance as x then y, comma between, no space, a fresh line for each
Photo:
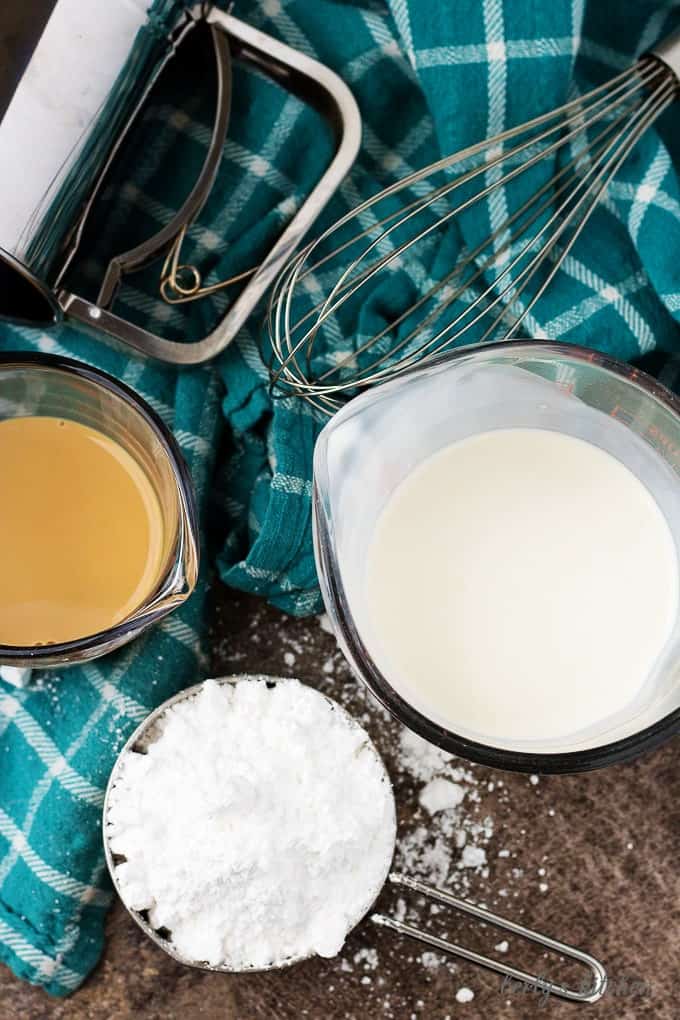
190,441
122,703
47,344
60,770
292,484
286,27
355,69
624,191
379,29
182,632
630,315
387,45
497,83
65,884
148,304
261,164
608,295
478,53
195,449
672,301
29,954
647,189
43,786
577,12
250,352
396,160
402,19
261,573
58,767
50,754
45,968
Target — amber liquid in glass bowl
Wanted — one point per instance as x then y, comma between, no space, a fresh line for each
81,531
98,527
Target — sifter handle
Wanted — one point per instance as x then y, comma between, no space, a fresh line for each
299,74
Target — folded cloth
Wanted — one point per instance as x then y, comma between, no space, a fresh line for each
60,735
429,78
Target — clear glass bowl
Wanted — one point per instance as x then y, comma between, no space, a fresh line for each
366,450
42,384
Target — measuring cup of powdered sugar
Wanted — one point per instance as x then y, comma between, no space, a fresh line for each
249,823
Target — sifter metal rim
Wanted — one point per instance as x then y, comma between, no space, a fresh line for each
145,727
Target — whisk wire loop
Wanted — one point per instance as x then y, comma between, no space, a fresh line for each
559,164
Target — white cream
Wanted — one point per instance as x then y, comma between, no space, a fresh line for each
520,585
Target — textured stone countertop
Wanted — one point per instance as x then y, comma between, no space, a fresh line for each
591,859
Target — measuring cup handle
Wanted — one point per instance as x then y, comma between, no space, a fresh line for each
592,993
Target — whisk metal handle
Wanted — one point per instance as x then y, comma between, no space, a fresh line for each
591,994
668,50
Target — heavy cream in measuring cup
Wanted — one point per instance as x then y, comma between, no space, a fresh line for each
521,583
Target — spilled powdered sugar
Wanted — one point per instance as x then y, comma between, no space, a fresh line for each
449,838
459,828
453,838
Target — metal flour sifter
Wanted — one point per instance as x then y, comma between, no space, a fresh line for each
74,81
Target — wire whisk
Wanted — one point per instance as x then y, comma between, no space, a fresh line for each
331,337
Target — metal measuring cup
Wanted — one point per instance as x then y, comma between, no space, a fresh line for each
148,732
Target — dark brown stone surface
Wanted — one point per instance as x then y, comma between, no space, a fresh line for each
610,843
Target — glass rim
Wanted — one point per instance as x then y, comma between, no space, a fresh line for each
362,664
51,654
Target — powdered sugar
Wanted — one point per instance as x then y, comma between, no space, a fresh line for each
258,827
473,857
464,995
496,814
440,795
368,958
423,760
454,838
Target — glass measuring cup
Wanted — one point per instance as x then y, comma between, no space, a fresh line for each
370,446
145,735
42,384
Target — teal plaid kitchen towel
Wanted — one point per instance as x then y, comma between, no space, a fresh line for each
429,77
59,737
